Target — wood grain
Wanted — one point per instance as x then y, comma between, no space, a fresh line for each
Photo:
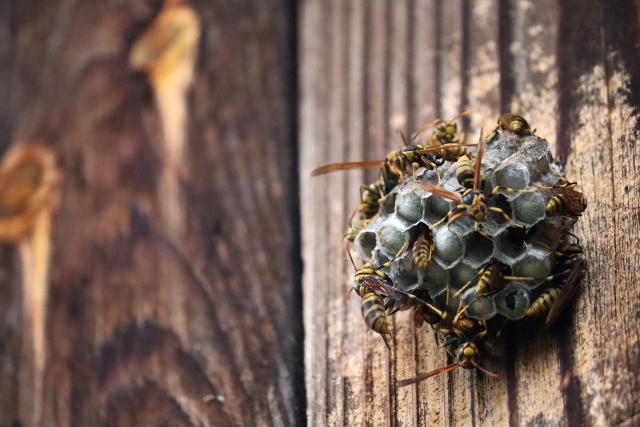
570,67
143,329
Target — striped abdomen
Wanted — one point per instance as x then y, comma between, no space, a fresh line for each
540,307
569,253
373,313
465,172
491,279
568,202
452,154
513,123
422,249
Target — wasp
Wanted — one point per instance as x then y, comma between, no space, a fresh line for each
465,172
422,248
387,179
394,166
426,312
374,286
444,131
568,253
370,196
462,341
490,279
569,202
513,122
554,299
396,162
472,201
445,135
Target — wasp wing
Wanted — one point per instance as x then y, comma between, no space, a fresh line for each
572,197
334,167
569,287
439,191
477,178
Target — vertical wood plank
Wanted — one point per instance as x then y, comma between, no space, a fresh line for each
599,79
450,53
484,99
430,396
533,54
403,401
357,146
553,378
313,55
533,46
144,329
377,409
483,66
459,389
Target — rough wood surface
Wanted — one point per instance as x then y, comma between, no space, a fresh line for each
143,329
570,67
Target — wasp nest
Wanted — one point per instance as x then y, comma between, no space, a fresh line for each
462,240
521,239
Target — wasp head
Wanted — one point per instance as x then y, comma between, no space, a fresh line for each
467,354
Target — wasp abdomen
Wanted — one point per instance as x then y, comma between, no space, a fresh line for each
540,307
465,172
373,313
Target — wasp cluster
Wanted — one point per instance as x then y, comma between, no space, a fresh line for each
467,237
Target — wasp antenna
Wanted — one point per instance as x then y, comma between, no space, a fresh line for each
423,128
491,374
423,377
464,113
404,140
352,263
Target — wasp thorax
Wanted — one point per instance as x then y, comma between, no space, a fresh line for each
478,211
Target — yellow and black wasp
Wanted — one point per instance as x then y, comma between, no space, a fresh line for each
568,270
445,133
463,339
422,247
472,201
490,279
568,202
374,286
513,123
397,162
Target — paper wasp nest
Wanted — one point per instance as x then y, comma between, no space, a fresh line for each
459,250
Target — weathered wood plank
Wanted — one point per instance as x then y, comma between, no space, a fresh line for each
430,398
577,87
533,51
357,146
483,87
312,57
599,81
534,48
143,329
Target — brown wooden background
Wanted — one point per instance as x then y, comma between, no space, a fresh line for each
208,331
571,68
142,331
